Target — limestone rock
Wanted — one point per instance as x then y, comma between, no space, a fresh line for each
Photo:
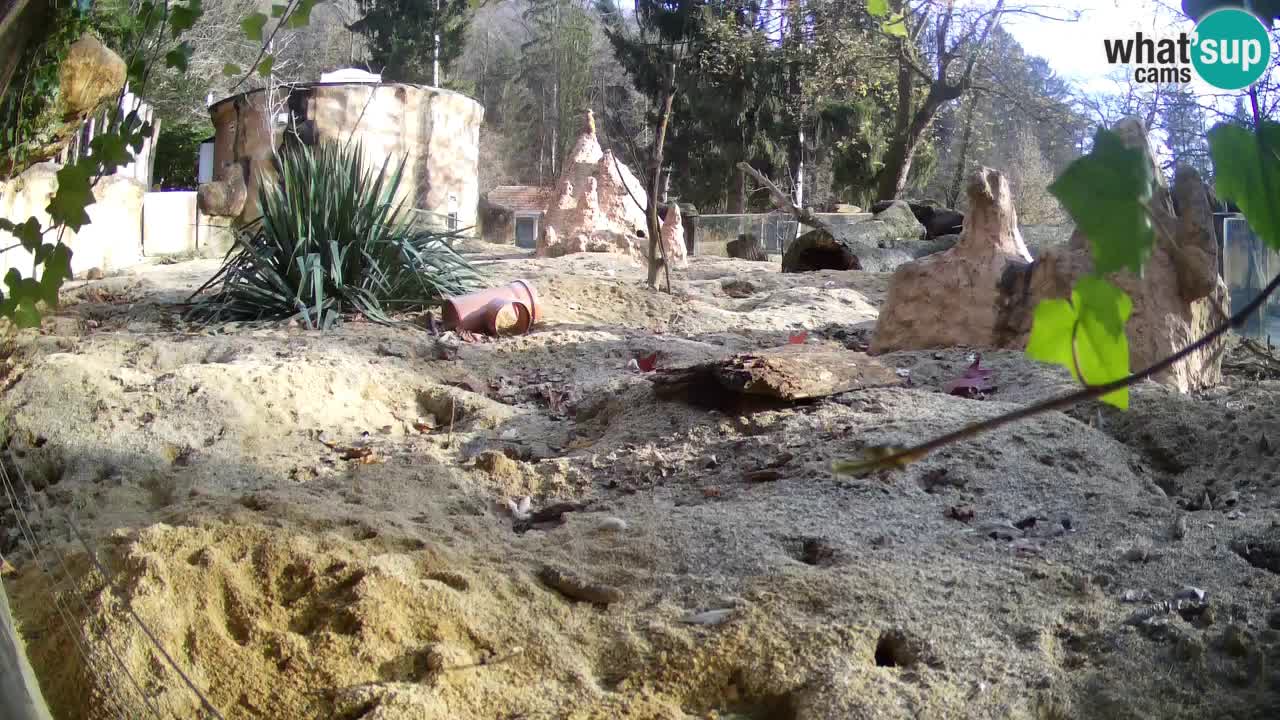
599,206
989,285
673,234
90,73
1179,298
900,221
949,298
747,247
225,197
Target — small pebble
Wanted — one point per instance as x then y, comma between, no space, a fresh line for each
1137,553
1190,593
612,524
710,617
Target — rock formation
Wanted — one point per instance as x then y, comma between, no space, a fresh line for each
820,250
747,247
937,220
983,291
225,197
598,206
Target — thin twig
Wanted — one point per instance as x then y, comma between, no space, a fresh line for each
453,405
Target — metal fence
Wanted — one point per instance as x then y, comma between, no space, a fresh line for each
1247,266
143,165
49,537
775,230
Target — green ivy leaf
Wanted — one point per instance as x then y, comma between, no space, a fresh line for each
230,70
137,69
28,233
1093,323
878,8
896,25
57,268
1106,192
150,16
75,193
110,152
183,17
301,15
179,57
253,25
139,137
21,305
1246,170
1052,325
277,11
264,67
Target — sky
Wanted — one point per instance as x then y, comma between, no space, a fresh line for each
1075,49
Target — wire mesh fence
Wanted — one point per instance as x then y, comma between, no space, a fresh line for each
73,583
774,230
1247,265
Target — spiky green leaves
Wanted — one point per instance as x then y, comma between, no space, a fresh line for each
333,239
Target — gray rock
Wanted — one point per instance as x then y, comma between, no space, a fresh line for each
899,222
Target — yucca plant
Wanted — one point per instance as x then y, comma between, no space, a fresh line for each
332,240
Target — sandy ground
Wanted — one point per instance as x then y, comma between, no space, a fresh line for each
1031,573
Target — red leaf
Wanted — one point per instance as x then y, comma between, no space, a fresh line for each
798,338
976,380
647,363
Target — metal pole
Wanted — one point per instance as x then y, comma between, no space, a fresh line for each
20,697
435,59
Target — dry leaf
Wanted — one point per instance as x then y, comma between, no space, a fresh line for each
798,338
648,363
356,453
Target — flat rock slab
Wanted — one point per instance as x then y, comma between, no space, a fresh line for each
790,373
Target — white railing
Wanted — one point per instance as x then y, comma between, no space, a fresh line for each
143,163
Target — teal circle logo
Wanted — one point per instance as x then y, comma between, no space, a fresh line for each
1231,49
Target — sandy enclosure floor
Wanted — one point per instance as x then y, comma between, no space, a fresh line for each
1032,573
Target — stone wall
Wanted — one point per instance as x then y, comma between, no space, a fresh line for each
173,225
113,239
438,131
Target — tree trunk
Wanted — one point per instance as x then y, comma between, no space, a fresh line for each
651,212
966,134
897,162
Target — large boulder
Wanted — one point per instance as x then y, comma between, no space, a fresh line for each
983,291
896,222
948,298
747,247
931,215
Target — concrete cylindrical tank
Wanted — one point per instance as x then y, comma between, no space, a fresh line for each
437,131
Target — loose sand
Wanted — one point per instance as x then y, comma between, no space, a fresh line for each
205,467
